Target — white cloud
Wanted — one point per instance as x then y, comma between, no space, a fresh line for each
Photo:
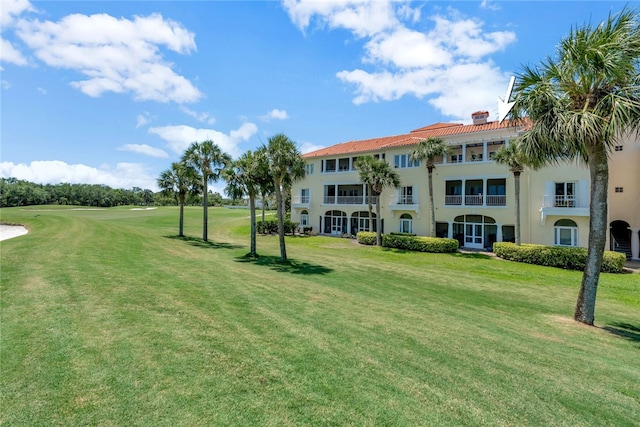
201,117
42,90
448,63
116,55
9,13
5,84
179,137
124,175
8,53
275,114
143,119
307,147
144,149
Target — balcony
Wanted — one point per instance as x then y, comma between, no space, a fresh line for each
563,205
475,200
300,201
348,200
404,203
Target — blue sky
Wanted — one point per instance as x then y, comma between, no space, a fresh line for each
113,92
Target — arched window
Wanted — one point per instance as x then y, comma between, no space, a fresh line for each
304,218
406,223
565,233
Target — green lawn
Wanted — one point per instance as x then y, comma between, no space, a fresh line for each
108,318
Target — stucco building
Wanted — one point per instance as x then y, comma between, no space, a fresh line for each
473,195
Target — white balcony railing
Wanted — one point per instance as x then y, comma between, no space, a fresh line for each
477,200
549,201
300,200
348,200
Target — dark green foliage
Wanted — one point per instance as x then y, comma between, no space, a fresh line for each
419,243
271,227
555,256
410,242
366,238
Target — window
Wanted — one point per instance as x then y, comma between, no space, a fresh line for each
406,223
329,165
565,195
343,164
406,195
304,219
565,233
619,189
404,161
304,195
456,158
618,148
308,169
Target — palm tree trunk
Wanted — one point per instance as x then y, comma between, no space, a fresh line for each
252,209
263,202
280,211
378,222
205,211
599,171
516,184
181,226
432,233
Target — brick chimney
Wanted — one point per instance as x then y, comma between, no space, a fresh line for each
480,117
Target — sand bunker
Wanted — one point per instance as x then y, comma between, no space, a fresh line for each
10,231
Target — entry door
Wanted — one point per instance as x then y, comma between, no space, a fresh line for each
473,236
336,225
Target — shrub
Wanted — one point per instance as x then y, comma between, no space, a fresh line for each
555,256
271,227
366,238
419,244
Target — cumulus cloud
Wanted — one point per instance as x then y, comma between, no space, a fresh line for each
124,175
307,147
115,55
448,63
144,149
179,137
275,114
9,14
143,119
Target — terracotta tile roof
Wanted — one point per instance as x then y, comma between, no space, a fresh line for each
437,130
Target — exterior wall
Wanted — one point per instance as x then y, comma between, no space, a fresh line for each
540,206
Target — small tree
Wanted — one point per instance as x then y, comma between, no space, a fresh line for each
178,182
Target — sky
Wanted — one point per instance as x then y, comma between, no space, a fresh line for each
114,92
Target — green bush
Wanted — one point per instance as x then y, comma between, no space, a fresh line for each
366,237
556,256
271,227
419,244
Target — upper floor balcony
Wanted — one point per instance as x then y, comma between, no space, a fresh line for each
349,200
476,200
476,192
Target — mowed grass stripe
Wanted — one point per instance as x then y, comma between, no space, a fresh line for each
108,318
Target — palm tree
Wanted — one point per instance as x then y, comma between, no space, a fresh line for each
286,166
428,150
209,160
364,165
243,179
579,103
377,174
265,180
512,156
179,182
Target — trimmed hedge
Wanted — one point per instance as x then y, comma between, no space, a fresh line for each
419,243
366,238
410,243
556,256
271,227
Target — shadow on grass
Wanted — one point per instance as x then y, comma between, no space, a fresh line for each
194,241
289,266
624,330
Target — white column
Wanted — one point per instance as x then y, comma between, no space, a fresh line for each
484,151
499,233
635,243
464,152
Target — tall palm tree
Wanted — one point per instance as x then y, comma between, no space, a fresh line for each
377,174
284,161
512,156
243,179
179,181
428,150
265,180
579,103
364,165
209,160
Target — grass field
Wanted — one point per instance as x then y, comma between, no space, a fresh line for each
108,318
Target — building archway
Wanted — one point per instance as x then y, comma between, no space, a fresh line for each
360,222
620,237
335,223
475,231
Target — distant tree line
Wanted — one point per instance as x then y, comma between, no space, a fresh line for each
16,192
